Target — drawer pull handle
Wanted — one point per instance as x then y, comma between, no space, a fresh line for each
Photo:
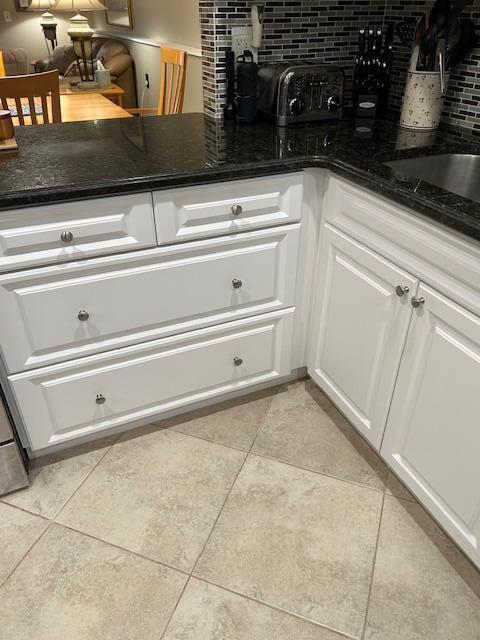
417,302
67,237
236,210
83,315
237,284
237,361
401,290
100,399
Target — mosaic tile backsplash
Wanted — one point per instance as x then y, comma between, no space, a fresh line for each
327,30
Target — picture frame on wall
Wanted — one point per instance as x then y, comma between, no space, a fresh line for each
119,13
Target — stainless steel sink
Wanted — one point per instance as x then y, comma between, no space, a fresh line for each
455,172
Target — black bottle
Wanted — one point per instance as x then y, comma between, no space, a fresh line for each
246,88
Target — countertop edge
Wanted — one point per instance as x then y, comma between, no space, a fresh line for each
415,203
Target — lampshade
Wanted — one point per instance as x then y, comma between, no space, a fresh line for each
79,5
41,5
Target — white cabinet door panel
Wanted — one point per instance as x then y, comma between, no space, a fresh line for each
206,210
432,440
358,330
30,237
143,296
59,403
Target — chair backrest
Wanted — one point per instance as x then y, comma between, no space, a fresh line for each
39,85
172,81
3,73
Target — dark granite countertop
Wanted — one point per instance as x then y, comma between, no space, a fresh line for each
70,161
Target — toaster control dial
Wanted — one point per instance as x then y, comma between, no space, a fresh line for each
333,103
296,106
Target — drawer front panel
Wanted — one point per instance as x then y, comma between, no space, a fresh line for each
229,207
74,399
58,313
30,237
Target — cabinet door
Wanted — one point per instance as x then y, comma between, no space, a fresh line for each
359,328
432,439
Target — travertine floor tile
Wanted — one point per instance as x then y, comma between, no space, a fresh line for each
72,586
158,495
297,540
233,423
207,612
54,480
18,531
305,429
423,587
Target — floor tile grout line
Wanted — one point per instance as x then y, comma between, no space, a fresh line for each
370,587
170,617
219,514
55,516
292,614
30,513
120,548
205,439
320,473
47,528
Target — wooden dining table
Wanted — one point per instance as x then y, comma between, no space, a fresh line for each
77,107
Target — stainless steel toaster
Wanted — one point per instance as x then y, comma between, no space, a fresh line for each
303,91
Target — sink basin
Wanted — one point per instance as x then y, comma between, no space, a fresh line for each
455,172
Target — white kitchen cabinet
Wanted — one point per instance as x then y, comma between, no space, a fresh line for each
227,207
432,439
78,398
74,230
66,311
358,330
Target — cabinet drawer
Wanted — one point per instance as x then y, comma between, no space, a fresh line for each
67,311
30,237
70,400
228,207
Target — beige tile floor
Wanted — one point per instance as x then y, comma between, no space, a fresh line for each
266,518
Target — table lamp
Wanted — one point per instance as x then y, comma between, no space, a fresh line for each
81,33
47,21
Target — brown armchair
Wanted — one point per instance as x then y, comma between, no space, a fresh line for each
114,56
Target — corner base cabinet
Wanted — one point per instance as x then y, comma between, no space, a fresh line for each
395,343
432,439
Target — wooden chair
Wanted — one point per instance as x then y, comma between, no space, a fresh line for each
172,84
3,72
24,90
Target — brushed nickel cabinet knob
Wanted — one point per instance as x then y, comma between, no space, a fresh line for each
83,315
100,399
236,210
237,283
67,237
401,290
417,302
237,361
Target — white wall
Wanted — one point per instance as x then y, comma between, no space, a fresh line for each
161,22
173,21
25,31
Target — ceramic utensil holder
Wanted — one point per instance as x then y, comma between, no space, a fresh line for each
423,100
